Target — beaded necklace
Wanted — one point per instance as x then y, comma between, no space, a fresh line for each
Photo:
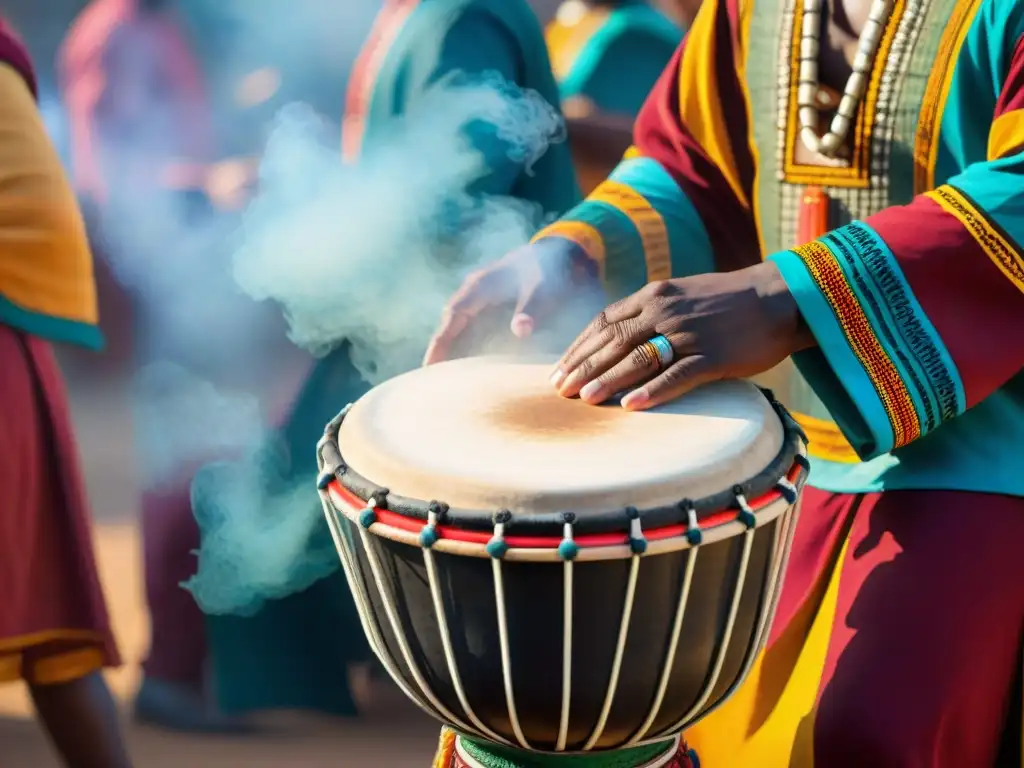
856,85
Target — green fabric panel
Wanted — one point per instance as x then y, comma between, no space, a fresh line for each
496,756
622,60
626,73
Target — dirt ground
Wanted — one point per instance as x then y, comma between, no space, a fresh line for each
392,734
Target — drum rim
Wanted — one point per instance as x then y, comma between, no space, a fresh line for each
333,468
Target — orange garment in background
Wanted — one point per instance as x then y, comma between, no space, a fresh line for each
46,278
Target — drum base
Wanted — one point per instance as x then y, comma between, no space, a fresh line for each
458,752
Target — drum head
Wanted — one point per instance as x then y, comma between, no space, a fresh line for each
490,433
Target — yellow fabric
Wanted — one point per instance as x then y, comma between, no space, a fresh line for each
746,9
51,670
565,40
445,748
65,667
1000,251
55,668
21,642
926,144
585,236
769,723
826,440
699,98
10,667
45,262
1006,137
648,222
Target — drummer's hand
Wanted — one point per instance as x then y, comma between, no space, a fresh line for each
720,326
534,277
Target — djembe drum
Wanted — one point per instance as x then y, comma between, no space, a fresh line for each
550,577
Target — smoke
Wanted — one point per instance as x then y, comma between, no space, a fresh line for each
367,253
370,252
182,419
327,252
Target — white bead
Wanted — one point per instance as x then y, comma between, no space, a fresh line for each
848,106
808,69
809,116
811,25
856,85
829,143
839,127
870,38
806,94
862,62
810,139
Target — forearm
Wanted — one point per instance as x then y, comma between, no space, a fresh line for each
912,310
637,227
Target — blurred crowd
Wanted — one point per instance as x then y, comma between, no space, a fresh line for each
185,127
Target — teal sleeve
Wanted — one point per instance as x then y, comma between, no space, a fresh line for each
478,48
646,228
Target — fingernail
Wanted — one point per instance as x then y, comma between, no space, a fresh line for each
522,325
556,378
635,399
590,391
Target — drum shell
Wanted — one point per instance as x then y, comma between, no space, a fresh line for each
534,603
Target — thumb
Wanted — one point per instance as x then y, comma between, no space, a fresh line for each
528,310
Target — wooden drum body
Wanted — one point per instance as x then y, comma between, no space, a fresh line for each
559,577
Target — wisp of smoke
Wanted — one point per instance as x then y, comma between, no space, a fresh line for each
352,252
260,533
182,419
367,253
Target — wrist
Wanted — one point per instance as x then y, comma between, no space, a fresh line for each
566,254
781,308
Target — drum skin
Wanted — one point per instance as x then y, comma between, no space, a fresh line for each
534,604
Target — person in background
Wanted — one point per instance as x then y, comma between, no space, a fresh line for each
142,140
54,629
607,54
299,651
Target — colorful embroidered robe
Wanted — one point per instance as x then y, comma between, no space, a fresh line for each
904,391
915,385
